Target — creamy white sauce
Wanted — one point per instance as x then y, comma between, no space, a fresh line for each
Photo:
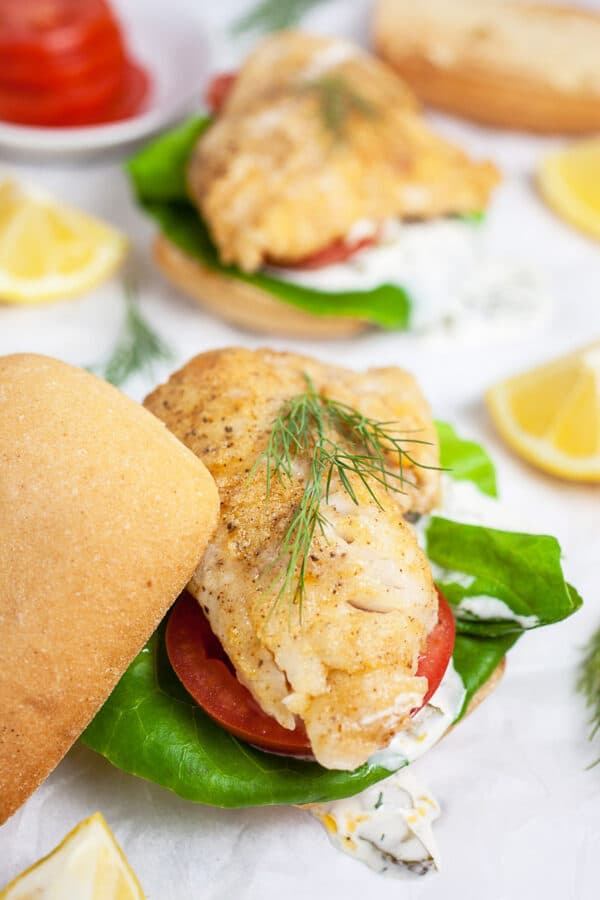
485,607
388,826
428,726
462,501
454,284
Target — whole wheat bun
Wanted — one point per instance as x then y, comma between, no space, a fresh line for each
528,66
243,304
104,516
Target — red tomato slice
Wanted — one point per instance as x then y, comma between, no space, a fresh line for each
218,90
102,100
43,66
337,252
205,671
63,62
440,645
208,676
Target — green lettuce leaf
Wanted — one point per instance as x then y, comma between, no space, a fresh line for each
477,658
158,176
523,571
150,727
386,305
466,460
157,172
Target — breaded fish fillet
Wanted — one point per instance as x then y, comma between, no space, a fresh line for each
314,137
348,667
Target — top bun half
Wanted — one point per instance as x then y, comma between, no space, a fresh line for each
104,516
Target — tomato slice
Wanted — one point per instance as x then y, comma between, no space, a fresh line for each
207,674
101,100
31,66
64,62
337,252
218,90
438,653
205,671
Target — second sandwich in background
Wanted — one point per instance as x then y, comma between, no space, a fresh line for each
312,202
527,66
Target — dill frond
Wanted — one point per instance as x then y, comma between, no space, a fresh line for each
273,15
138,346
336,440
337,102
588,683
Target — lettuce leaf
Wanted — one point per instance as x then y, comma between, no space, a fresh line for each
476,659
522,571
466,460
150,727
158,177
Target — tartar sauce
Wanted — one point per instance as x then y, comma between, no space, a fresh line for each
454,283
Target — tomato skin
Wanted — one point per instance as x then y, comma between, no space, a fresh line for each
30,65
337,252
64,62
438,653
207,674
218,90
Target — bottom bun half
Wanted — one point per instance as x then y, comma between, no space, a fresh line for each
243,304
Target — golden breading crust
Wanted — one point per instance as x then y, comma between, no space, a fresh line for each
244,304
103,519
348,668
315,137
526,66
478,698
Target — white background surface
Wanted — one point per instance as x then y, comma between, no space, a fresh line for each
521,814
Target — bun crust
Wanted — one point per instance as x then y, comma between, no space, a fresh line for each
466,57
244,304
104,516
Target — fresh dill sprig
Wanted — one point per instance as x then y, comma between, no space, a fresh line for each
273,15
335,439
588,683
337,102
138,346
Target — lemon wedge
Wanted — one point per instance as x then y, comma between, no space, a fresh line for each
551,414
49,251
87,865
570,183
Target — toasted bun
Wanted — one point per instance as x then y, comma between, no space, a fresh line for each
526,66
104,516
244,304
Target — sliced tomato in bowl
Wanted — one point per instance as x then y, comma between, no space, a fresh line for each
207,674
65,62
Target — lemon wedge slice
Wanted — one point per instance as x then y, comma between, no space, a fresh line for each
570,183
49,251
87,865
551,415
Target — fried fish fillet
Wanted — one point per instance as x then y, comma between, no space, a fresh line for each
314,137
348,668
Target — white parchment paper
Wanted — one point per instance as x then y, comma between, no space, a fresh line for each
520,811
